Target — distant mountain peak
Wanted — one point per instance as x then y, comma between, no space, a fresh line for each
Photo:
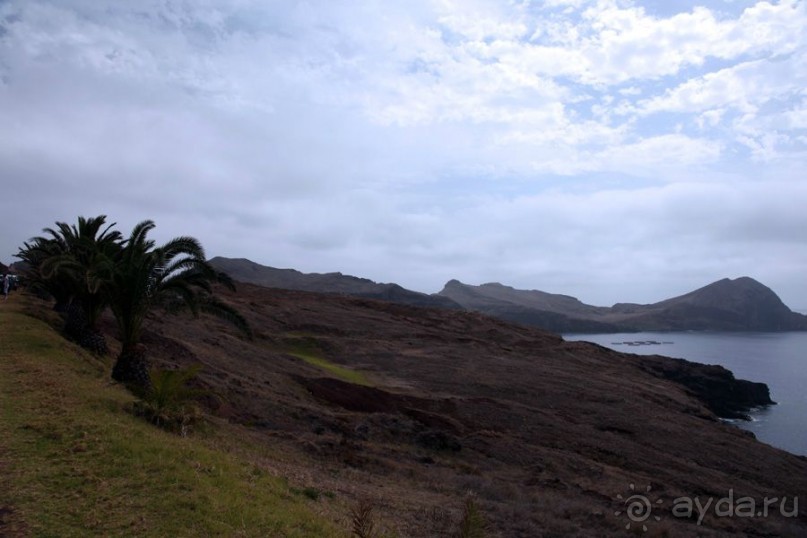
740,304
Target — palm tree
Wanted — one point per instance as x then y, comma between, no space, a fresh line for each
32,254
174,275
74,264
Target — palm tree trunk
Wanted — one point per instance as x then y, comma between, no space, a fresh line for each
94,340
74,319
79,330
132,367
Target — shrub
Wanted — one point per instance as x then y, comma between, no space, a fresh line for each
363,519
169,400
472,524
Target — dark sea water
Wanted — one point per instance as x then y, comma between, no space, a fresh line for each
777,359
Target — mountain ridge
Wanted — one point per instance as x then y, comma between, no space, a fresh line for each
740,304
245,270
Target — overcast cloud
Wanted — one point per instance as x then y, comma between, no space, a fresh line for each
613,150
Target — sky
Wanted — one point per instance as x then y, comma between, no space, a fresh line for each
613,150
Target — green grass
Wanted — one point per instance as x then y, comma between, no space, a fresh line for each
345,374
305,348
74,461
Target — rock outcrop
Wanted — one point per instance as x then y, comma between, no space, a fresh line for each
715,386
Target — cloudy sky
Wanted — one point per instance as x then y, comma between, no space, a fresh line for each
613,150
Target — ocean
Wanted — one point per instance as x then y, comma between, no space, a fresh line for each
777,359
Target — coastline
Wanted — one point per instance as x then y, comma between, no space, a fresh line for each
772,359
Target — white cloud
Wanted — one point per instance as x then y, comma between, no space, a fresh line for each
658,152
745,87
568,142
796,118
627,44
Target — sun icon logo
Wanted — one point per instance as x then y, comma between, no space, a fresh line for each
638,507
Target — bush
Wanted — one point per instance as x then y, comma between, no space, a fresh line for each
169,401
472,524
362,518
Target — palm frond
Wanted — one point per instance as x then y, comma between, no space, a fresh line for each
225,279
137,240
214,306
183,245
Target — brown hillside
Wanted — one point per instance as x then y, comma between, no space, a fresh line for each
245,270
546,433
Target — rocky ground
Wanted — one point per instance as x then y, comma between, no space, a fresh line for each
548,436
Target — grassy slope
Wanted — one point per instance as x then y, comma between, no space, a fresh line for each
305,347
75,462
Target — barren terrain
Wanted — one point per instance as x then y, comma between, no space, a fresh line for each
413,408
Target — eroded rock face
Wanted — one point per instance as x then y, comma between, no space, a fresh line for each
365,399
431,422
714,385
